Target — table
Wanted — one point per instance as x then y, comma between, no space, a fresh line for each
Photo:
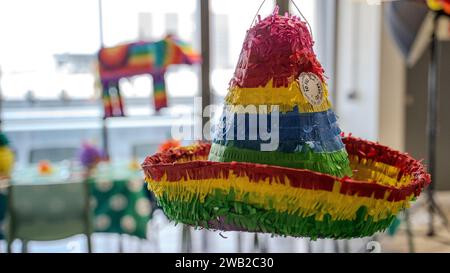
118,197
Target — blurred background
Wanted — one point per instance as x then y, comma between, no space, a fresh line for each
52,112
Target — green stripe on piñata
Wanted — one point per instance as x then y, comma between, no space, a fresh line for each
334,163
159,86
254,218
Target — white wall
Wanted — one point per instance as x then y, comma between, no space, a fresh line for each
370,68
391,123
358,61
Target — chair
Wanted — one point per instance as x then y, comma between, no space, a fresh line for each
142,150
46,212
52,154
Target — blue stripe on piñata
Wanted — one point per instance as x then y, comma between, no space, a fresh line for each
319,131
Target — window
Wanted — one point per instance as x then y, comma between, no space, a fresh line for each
145,24
46,51
221,37
131,20
172,23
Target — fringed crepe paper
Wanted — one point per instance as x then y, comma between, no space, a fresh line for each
170,143
286,201
315,183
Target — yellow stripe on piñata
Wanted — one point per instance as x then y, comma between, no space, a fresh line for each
383,174
159,95
280,197
287,98
141,60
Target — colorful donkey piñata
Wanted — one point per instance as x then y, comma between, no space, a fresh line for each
315,183
140,58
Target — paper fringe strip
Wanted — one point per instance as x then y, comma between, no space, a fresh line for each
285,97
285,201
289,146
278,48
334,163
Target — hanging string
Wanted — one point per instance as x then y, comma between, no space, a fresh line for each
301,14
304,18
257,12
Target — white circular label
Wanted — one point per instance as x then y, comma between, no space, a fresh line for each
311,87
